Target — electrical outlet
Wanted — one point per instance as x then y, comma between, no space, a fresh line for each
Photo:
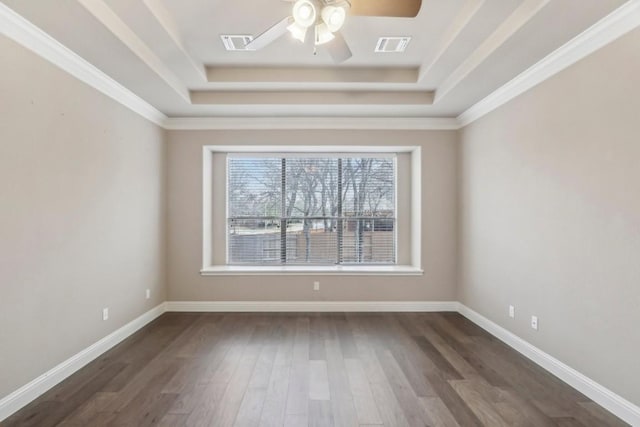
512,311
316,286
105,313
534,322
148,293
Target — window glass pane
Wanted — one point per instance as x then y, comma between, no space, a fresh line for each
311,241
368,187
335,210
254,241
254,187
312,187
368,241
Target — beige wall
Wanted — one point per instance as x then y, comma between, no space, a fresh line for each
550,216
81,217
537,207
439,239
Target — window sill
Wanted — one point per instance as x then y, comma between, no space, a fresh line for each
238,270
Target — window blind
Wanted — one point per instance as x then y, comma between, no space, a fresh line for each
311,210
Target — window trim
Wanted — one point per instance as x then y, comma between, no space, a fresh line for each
207,212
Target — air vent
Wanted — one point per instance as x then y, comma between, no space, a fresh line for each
392,44
236,42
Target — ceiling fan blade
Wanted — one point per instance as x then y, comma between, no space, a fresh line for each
392,8
271,35
338,49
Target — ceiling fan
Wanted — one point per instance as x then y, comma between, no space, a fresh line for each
326,17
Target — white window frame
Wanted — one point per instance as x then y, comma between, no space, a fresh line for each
413,269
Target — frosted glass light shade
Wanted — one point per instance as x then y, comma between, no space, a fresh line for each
298,32
304,13
323,35
333,17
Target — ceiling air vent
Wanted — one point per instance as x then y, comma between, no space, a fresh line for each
392,44
236,42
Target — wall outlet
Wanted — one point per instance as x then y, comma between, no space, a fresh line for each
148,293
534,322
512,311
316,286
105,313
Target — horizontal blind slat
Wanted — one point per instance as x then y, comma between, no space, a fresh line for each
293,155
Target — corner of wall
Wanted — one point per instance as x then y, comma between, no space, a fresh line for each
165,213
458,212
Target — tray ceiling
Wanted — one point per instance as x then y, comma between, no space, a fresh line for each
169,53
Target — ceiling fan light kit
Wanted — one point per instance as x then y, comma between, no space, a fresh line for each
328,17
328,21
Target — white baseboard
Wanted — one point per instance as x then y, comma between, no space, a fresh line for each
311,306
29,392
614,403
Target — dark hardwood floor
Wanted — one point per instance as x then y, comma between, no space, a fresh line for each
330,369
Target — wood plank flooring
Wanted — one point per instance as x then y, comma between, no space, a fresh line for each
312,369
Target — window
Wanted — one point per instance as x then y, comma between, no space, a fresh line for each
256,222
311,210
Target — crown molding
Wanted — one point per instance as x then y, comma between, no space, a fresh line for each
611,27
460,22
311,123
17,28
166,22
112,22
608,29
524,13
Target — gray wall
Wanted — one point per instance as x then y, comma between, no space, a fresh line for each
550,216
81,217
439,235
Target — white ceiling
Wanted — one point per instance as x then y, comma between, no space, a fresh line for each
170,54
